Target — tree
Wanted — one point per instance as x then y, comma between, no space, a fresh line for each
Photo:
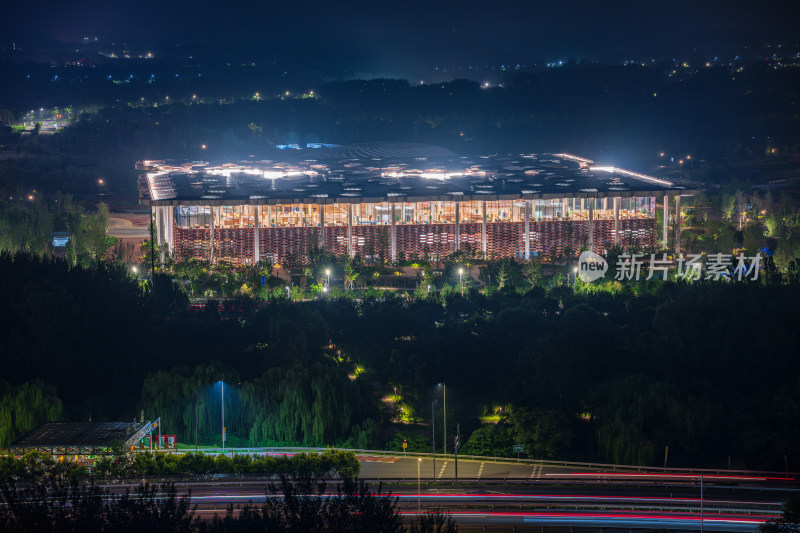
532,271
97,242
57,504
789,522
545,433
295,505
435,521
348,272
728,205
491,440
741,209
502,272
24,407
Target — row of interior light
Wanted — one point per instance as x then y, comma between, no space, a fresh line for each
441,176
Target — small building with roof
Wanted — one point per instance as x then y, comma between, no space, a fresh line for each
84,440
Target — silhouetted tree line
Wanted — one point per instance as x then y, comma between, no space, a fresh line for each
612,373
295,503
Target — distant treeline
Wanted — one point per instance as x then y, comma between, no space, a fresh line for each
624,114
614,372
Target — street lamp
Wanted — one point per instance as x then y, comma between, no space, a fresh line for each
443,385
419,485
222,387
461,279
433,436
328,274
196,422
288,291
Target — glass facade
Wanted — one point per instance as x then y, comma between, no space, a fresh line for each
444,212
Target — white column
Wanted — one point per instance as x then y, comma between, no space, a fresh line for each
171,229
458,226
256,251
616,221
666,221
591,224
483,230
677,223
159,222
211,234
350,230
393,233
527,230
160,232
322,225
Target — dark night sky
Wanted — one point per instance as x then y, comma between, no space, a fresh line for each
394,34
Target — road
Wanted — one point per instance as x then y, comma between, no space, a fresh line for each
544,504
518,497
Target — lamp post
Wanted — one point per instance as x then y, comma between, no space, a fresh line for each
328,274
288,293
196,423
419,484
444,414
457,445
433,436
461,280
222,388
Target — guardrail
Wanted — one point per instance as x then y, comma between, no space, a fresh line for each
487,459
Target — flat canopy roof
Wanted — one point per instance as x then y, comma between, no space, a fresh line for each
75,434
390,172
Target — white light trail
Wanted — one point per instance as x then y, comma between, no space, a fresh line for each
632,174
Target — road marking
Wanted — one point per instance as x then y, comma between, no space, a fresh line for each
442,470
480,470
373,459
537,472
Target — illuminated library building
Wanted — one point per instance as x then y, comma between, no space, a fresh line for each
400,201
